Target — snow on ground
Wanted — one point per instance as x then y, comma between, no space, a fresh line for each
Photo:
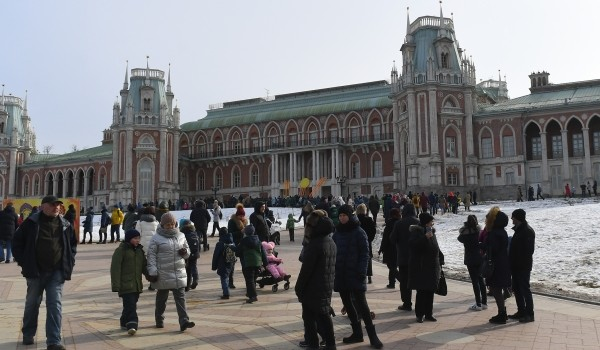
567,255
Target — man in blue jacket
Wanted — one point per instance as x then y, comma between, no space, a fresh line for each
45,246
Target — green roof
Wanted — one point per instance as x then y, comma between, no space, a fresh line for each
83,155
283,107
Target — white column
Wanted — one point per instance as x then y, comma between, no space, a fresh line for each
115,160
12,170
163,158
174,160
544,157
587,165
433,125
565,144
469,123
412,125
128,156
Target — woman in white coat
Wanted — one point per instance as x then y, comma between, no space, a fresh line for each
146,226
167,252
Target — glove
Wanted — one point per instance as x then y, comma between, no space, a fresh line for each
182,251
150,278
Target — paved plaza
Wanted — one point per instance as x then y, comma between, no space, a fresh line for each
91,315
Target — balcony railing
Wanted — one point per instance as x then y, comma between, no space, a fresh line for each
290,145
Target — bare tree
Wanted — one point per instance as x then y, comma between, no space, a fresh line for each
48,149
74,148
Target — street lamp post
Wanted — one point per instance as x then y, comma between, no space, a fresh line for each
215,189
341,180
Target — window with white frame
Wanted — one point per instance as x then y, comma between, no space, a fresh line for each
237,146
274,141
201,151
201,182
26,188
452,179
293,140
509,177
333,135
354,134
486,147
145,188
577,145
536,148
36,187
488,180
596,142
183,180
313,137
596,171
508,146
557,148
577,174
451,147
237,179
377,168
355,170
255,144
556,177
219,149
219,180
101,181
254,177
376,130
535,174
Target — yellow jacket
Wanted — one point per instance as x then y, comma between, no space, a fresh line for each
116,216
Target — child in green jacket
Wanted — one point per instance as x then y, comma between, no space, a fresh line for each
290,225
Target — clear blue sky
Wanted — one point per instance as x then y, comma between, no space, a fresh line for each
70,54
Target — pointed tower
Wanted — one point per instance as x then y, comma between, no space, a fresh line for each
435,108
144,139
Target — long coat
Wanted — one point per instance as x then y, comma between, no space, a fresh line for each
8,223
497,244
401,234
424,266
522,246
352,256
164,260
387,247
126,269
146,226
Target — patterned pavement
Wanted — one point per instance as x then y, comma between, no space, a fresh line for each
91,315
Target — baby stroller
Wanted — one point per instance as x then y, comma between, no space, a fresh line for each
265,278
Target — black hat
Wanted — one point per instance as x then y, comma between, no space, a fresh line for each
519,214
129,234
51,199
324,226
425,218
249,230
346,209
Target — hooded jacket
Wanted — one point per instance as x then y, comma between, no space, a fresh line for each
352,256
219,263
258,220
147,227
126,269
424,265
8,223
164,260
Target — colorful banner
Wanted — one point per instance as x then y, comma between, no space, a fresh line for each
24,206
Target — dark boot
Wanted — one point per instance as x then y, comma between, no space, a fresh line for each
500,318
357,334
194,283
373,339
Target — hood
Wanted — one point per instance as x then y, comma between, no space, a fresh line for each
226,238
408,210
169,233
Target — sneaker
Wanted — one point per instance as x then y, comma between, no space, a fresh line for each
484,306
232,286
475,307
251,300
390,286
131,331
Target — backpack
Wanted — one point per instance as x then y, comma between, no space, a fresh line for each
229,254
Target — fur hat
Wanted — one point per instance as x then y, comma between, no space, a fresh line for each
361,209
425,218
168,218
318,224
268,245
346,209
519,214
249,230
130,234
239,211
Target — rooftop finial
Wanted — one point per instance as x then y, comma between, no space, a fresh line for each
499,76
169,79
2,99
441,13
407,20
25,104
147,70
126,82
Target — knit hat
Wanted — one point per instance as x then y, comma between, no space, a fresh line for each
168,218
323,227
240,210
425,218
129,234
268,245
223,231
346,209
186,224
519,214
249,230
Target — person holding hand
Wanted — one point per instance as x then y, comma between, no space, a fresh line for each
166,269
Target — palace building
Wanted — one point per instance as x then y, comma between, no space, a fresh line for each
431,127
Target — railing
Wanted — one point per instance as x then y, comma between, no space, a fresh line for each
152,73
336,140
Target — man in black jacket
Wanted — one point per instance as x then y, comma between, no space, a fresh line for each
8,225
400,236
520,255
258,219
201,217
45,248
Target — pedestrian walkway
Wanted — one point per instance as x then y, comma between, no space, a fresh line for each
91,315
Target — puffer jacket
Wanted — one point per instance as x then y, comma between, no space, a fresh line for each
469,237
522,246
424,265
352,256
164,260
251,252
146,226
88,223
219,264
496,247
126,269
116,216
8,223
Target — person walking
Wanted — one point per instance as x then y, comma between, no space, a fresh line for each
316,278
200,217
496,251
520,256
217,215
222,262
235,226
166,270
9,221
104,222
130,218
469,237
350,275
191,263
127,266
368,225
252,257
45,246
424,266
88,224
388,248
400,237
116,218
374,206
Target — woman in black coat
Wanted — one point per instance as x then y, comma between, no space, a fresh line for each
315,281
469,237
350,275
424,266
368,225
8,226
496,249
388,248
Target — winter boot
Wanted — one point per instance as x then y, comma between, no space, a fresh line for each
357,334
375,342
500,318
194,283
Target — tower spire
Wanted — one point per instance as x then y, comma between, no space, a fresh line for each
441,13
147,70
126,82
169,79
407,20
2,99
25,104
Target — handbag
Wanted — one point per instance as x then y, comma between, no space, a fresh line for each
442,288
487,267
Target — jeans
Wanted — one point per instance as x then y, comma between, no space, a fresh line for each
355,302
191,268
8,245
522,291
478,285
225,283
161,304
129,317
52,283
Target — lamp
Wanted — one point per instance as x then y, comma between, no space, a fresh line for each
215,189
341,180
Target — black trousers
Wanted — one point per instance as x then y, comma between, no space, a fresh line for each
250,274
405,292
316,322
424,303
355,302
